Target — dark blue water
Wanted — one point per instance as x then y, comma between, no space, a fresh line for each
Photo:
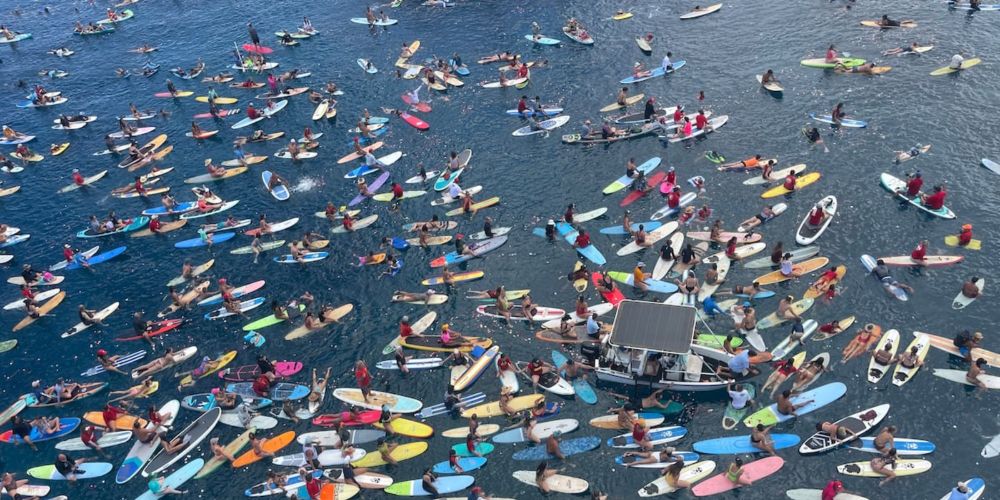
535,178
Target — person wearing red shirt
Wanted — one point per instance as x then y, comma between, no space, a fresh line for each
522,71
790,181
77,178
405,330
816,215
914,184
678,114
348,221
363,378
522,105
965,237
671,176
582,240
312,484
397,191
504,363
934,201
262,385
918,254
674,198
731,248
154,224
68,252
110,415
700,120
832,489
139,188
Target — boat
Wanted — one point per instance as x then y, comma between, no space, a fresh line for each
643,333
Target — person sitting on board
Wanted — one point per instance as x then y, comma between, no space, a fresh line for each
622,99
252,112
976,369
919,254
935,200
666,65
768,78
956,61
884,465
831,55
966,342
910,359
965,236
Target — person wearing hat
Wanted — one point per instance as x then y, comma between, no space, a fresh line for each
213,169
639,71
108,362
550,230
965,237
639,276
587,130
77,178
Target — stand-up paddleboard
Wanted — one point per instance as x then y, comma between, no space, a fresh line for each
904,446
903,374
808,234
197,430
752,471
691,474
876,370
898,187
818,398
737,445
140,453
701,11
859,423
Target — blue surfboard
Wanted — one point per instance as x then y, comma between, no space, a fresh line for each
583,389
466,463
97,259
735,445
196,242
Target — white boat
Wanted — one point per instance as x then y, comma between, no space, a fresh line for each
643,334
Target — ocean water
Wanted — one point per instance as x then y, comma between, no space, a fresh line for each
536,178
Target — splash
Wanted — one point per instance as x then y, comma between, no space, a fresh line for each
307,184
